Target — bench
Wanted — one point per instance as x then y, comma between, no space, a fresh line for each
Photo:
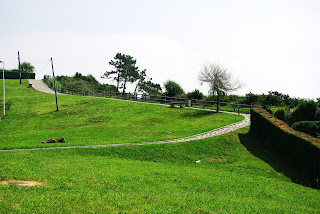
180,103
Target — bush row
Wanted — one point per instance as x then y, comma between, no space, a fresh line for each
300,150
16,75
310,127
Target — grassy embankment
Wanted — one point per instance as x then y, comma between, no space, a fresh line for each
90,121
234,176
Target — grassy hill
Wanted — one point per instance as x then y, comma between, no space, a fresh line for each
90,121
235,175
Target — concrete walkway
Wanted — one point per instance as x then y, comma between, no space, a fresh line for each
40,86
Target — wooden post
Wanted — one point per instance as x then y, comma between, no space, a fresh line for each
19,67
55,87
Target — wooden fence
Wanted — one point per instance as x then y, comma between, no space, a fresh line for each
163,99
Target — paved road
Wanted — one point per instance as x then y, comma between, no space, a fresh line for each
40,86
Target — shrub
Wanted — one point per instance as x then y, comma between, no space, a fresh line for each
305,111
310,127
173,89
196,94
280,114
317,115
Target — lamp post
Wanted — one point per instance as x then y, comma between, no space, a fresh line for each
4,93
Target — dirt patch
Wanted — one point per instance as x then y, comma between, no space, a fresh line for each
21,183
211,160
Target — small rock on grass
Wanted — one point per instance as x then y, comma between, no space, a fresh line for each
58,140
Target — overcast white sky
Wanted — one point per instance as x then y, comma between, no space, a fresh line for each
268,45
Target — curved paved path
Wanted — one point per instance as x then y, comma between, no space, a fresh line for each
40,86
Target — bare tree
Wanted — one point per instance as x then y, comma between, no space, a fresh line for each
219,80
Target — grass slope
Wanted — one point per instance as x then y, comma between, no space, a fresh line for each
154,179
234,176
32,119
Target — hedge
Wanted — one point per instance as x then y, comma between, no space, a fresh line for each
300,150
16,75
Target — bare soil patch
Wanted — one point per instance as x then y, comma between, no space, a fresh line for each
21,183
211,160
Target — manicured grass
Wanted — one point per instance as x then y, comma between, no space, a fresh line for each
234,175
154,179
91,121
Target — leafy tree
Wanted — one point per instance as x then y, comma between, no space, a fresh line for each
150,87
145,85
26,67
306,111
141,79
196,94
219,80
251,98
173,89
124,71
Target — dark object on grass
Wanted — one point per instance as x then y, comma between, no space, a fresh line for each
58,140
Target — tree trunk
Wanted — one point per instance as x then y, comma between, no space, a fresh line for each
218,101
124,86
118,81
135,90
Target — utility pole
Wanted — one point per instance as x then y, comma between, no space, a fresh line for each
4,92
19,67
55,87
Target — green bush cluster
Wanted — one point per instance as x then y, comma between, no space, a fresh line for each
173,89
317,115
280,114
82,82
310,127
196,94
300,150
306,111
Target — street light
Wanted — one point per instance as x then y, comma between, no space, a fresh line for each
4,95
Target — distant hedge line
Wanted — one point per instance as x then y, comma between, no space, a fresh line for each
16,75
301,151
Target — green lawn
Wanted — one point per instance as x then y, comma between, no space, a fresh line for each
235,175
154,179
32,119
